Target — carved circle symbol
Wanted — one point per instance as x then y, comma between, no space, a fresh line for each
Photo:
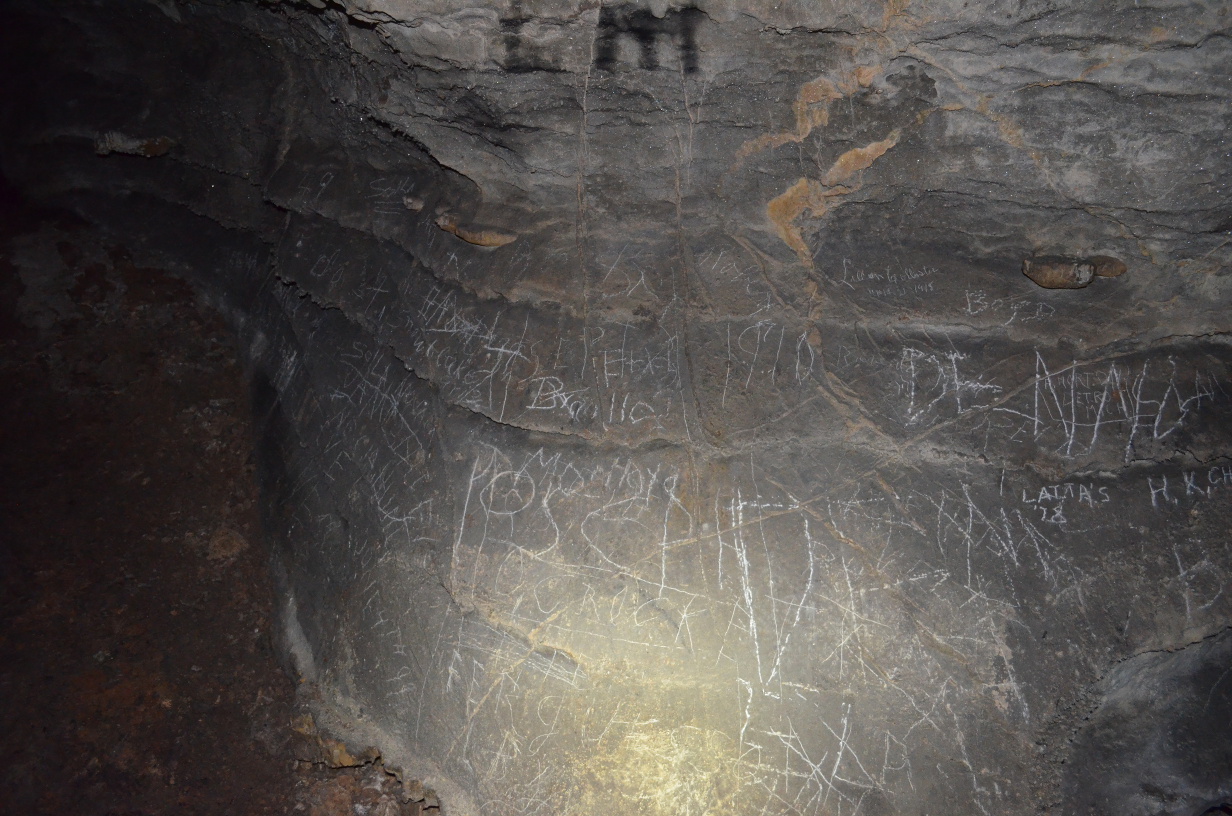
510,492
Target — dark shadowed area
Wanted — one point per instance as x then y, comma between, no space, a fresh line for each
137,670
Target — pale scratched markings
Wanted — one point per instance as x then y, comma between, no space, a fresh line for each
852,622
769,561
946,381
785,640
457,543
1186,575
757,334
1004,652
1063,411
1217,478
891,759
745,353
374,387
746,586
802,340
507,675
516,367
435,658
752,750
977,789
305,189
621,493
637,281
978,303
1123,400
897,761
727,376
778,352
1004,537
819,779
386,194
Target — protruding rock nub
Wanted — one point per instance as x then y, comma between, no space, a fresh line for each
1106,266
1059,273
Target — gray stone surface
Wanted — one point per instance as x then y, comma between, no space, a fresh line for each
655,415
1158,741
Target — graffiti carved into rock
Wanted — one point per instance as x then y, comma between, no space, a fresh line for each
656,417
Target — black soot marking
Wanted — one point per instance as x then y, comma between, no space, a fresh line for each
522,57
638,23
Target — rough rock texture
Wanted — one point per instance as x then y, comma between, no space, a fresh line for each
656,415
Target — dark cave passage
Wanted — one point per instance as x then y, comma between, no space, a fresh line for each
139,674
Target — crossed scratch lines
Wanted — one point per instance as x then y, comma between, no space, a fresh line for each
632,282
1010,536
441,314
834,774
814,784
1120,402
949,385
838,777
484,365
476,640
390,399
835,582
380,410
1191,583
374,411
800,362
1038,386
834,767
514,516
754,593
1068,408
501,491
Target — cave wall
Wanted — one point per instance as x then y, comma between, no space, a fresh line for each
654,413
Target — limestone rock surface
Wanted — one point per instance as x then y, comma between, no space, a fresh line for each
655,416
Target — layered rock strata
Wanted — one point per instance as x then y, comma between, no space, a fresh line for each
654,411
